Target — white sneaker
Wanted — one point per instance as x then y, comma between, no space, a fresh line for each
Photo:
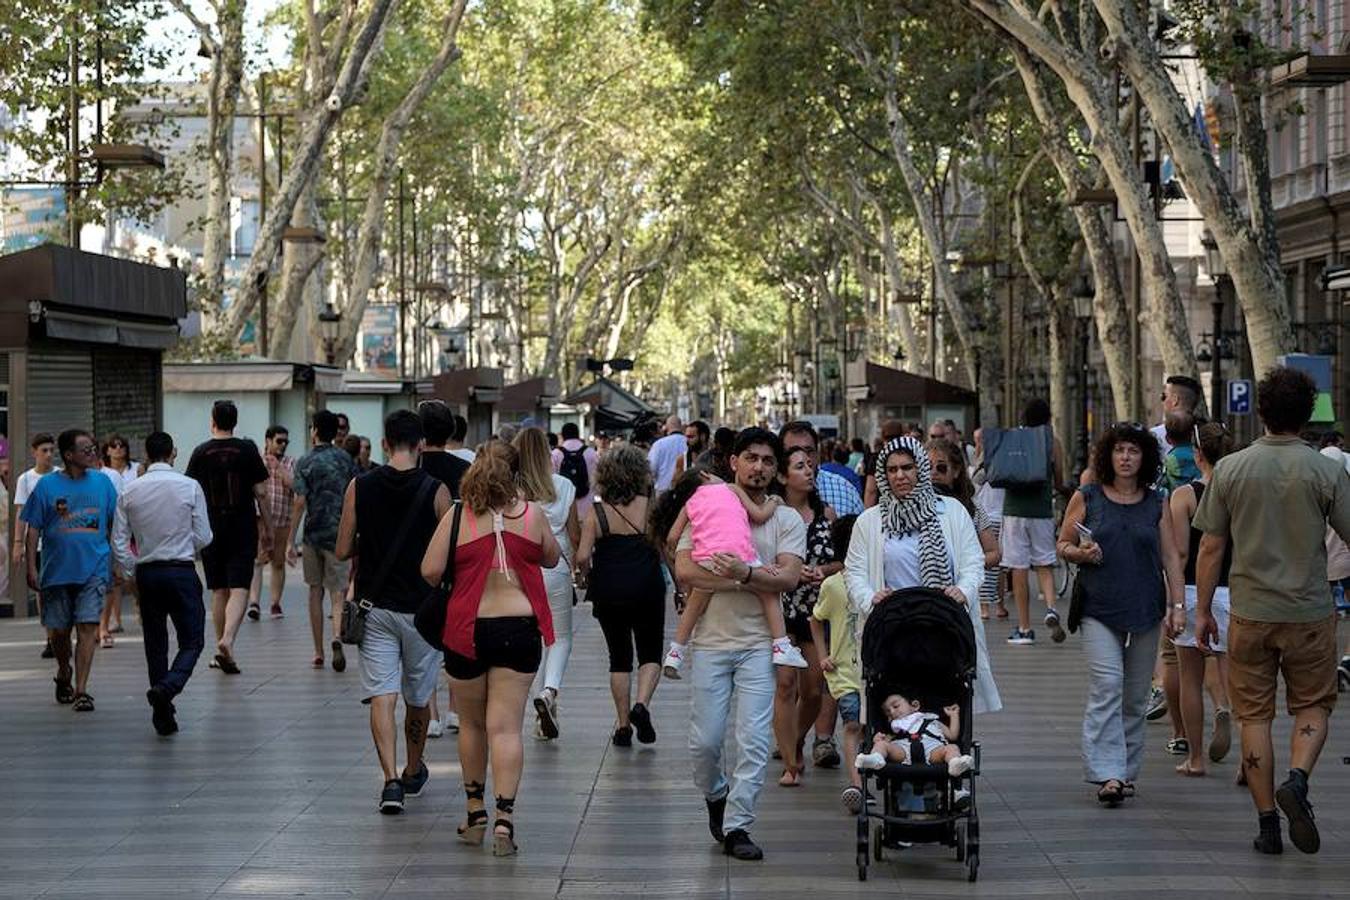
871,761
788,655
960,766
452,722
435,729
670,666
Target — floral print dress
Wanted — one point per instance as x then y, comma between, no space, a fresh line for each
798,603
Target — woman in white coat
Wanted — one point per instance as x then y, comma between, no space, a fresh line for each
914,538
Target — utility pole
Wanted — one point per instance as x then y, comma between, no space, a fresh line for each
73,133
402,282
262,202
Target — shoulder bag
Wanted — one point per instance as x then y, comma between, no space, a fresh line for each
429,620
354,612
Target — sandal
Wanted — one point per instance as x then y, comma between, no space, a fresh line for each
792,776
65,691
1000,611
504,844
1111,793
1184,768
1127,789
475,823
83,703
106,642
317,662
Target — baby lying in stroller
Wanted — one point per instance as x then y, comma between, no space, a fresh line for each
914,731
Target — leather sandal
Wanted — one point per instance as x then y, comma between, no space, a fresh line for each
475,823
1111,793
504,844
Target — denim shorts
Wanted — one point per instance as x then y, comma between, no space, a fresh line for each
66,605
850,707
394,659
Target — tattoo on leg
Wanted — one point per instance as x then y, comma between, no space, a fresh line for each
1252,761
1308,730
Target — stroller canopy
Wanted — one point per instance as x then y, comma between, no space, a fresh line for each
918,634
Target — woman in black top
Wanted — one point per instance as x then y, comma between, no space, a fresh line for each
1212,443
625,586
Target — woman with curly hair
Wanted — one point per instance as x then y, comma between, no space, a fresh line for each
625,586
1119,533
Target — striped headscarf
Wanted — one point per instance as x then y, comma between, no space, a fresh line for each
916,513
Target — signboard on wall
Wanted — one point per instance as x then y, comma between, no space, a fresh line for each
379,339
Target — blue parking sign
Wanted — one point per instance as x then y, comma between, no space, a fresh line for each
1239,397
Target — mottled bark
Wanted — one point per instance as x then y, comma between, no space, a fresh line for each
1250,253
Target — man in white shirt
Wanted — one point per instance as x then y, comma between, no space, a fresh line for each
456,443
667,455
44,452
732,655
165,513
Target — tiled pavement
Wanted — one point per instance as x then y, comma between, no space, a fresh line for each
270,790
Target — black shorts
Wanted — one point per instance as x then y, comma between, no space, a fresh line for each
228,559
505,642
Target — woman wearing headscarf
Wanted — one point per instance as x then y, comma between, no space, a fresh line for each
914,538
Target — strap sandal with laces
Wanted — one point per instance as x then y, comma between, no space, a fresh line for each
475,823
504,844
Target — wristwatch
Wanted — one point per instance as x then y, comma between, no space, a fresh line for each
749,572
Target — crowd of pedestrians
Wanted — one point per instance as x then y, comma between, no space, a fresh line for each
1198,565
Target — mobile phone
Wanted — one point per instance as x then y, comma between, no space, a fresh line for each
1084,533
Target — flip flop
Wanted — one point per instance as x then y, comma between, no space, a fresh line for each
226,664
1001,611
1184,768
791,777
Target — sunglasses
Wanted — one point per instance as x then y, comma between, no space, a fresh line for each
117,445
1132,426
282,441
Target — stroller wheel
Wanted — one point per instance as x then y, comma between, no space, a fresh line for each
876,841
973,865
960,841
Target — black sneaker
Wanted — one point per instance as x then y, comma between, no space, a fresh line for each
1268,839
738,844
48,652
413,784
641,718
162,712
1056,629
623,737
254,613
391,800
1292,797
1019,636
717,809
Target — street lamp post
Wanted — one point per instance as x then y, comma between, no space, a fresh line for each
1218,273
330,321
1083,294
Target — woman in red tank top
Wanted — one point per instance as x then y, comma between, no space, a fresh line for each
497,622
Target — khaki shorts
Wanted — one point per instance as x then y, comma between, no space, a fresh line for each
1258,652
322,567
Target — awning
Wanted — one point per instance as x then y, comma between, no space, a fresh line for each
92,283
217,378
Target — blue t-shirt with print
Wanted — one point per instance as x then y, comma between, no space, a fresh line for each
75,516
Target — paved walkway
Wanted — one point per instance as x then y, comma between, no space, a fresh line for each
270,789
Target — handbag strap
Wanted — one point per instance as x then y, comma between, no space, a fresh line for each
448,576
429,484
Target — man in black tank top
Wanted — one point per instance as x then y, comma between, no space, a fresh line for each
388,517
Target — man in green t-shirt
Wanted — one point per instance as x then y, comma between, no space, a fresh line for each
843,675
1274,501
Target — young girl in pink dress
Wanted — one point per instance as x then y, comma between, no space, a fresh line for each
718,516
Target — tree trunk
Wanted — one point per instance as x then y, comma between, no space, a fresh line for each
370,237
1061,362
222,101
1252,256
309,149
1164,313
1109,307
298,263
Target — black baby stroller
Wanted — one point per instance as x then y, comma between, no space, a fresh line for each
918,642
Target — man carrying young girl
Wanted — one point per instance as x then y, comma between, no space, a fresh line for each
731,653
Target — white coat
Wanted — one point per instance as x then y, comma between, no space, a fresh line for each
864,573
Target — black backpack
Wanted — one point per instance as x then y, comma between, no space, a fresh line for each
573,468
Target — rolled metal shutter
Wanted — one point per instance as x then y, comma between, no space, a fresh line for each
60,390
126,394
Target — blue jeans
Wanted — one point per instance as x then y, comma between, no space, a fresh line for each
717,675
171,593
